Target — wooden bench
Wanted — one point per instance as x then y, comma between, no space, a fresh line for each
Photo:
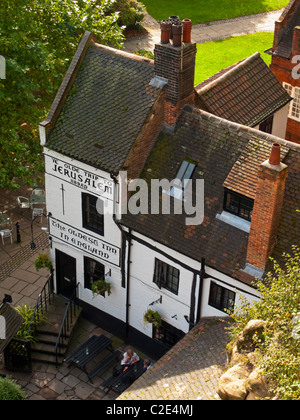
121,382
104,363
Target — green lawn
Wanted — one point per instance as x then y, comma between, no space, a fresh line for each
209,10
215,56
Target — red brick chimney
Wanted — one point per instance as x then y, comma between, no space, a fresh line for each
267,209
296,41
175,61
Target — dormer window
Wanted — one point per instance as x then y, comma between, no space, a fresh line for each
238,204
185,172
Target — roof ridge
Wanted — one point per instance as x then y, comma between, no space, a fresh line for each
124,54
66,84
229,73
237,126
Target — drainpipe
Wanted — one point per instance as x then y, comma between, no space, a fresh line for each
202,275
128,238
128,285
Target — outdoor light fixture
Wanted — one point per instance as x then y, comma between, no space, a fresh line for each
33,245
156,301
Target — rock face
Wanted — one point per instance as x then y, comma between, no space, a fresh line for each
242,381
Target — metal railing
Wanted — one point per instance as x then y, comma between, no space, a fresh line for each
42,303
66,323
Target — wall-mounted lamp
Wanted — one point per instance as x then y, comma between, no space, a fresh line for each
156,301
186,317
108,274
33,245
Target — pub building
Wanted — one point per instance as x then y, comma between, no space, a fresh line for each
119,113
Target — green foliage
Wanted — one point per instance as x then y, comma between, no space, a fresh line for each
10,390
279,349
152,317
27,313
101,286
144,53
131,12
43,261
38,38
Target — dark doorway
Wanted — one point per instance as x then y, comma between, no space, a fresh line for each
65,274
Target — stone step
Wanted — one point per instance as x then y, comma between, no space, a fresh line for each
47,332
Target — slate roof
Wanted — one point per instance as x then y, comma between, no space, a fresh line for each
216,145
284,46
13,322
243,176
246,93
106,108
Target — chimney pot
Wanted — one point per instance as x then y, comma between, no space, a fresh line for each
173,20
274,158
177,34
187,30
166,28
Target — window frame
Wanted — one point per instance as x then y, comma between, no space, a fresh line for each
87,205
185,172
170,273
167,334
238,197
88,274
294,92
221,298
267,125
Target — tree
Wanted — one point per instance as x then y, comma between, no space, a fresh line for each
279,347
37,40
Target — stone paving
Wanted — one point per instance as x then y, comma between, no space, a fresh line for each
190,370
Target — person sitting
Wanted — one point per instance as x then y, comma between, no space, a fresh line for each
129,358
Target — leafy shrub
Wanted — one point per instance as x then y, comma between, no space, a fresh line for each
43,261
27,313
279,348
10,390
131,12
144,53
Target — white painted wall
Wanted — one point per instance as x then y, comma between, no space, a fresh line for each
143,291
280,122
72,216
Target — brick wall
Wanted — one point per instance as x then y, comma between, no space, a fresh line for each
266,213
178,66
142,147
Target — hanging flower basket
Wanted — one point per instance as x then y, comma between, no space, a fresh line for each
99,287
152,317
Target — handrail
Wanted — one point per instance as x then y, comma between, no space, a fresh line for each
67,320
42,302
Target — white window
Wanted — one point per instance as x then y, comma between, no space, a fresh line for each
294,92
184,173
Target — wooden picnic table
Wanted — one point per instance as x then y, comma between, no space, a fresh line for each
126,378
88,351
